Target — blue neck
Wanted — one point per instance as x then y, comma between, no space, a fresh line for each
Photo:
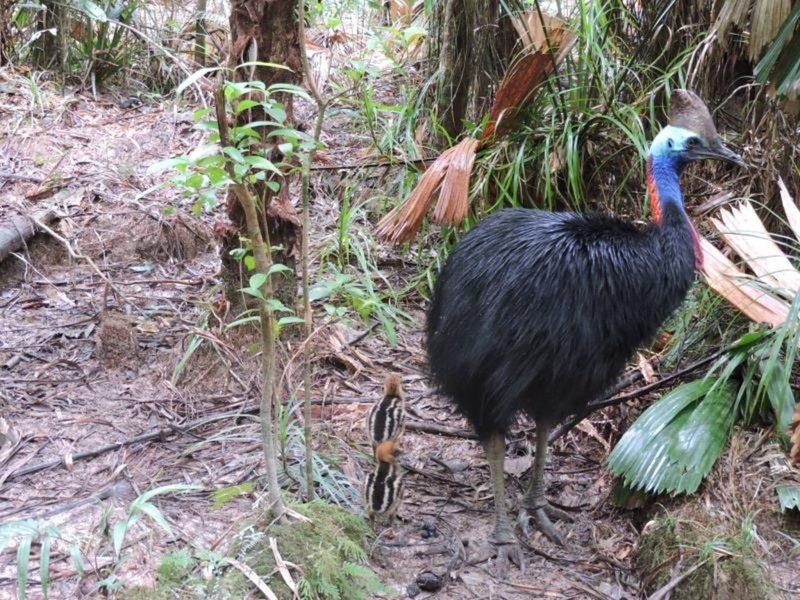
666,173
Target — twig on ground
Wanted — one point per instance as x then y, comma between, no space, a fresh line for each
611,399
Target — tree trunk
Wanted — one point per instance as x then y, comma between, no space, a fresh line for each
265,31
200,33
474,48
47,51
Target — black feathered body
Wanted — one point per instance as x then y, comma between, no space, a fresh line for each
539,311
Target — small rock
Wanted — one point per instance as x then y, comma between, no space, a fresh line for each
429,581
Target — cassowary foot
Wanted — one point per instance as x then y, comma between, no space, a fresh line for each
541,516
508,550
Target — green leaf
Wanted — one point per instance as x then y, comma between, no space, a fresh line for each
15,529
201,113
289,88
220,497
289,320
152,511
788,496
118,533
254,292
259,162
77,561
244,131
780,395
290,134
257,280
234,153
167,163
193,78
243,105
23,558
243,321
277,305
674,444
93,11
279,268
784,52
44,564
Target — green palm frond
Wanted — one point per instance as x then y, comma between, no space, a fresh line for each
781,62
675,443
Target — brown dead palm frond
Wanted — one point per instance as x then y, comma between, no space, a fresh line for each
765,294
450,174
402,223
453,204
521,82
539,31
794,439
743,231
739,289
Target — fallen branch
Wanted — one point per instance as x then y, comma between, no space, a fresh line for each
611,399
21,228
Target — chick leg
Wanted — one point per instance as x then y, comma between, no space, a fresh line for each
534,504
507,546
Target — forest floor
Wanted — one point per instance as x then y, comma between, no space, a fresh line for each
96,321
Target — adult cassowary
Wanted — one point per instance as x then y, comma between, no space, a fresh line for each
539,311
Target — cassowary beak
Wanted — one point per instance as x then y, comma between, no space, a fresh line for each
717,151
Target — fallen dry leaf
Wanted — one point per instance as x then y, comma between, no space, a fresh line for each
518,465
587,427
794,430
646,369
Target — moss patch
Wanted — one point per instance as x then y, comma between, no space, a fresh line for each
329,552
728,567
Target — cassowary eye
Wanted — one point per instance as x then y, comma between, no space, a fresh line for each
692,142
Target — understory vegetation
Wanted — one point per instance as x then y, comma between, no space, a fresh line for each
569,132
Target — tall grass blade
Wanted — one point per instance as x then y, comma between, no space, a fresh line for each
23,562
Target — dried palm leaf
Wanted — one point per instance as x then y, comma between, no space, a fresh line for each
790,208
732,13
520,83
319,59
400,11
794,439
402,223
453,204
739,289
451,171
743,231
539,31
766,20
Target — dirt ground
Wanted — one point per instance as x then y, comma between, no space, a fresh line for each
94,323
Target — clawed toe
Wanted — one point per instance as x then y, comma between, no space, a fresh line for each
508,552
557,514
541,516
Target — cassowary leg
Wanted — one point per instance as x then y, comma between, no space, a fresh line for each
534,504
507,546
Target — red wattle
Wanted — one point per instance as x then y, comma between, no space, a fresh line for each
698,250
